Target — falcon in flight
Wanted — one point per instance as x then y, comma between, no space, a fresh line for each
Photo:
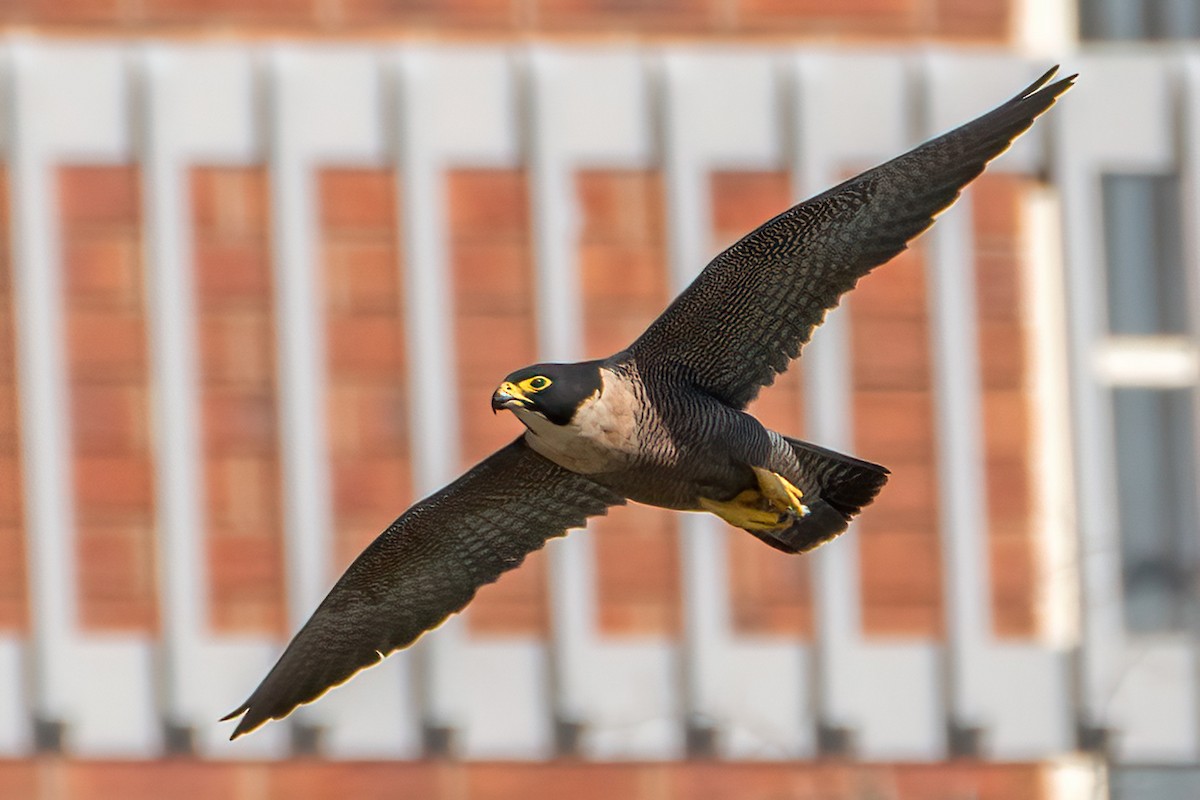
662,422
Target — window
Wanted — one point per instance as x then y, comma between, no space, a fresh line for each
1147,288
1156,497
1107,20
1159,783
1153,395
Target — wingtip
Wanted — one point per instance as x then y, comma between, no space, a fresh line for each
1062,84
242,728
1050,73
233,714
1058,87
1067,81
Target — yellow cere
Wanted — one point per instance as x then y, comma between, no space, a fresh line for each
535,384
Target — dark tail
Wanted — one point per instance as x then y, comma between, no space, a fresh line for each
836,487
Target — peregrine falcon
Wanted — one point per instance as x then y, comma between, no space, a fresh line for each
662,422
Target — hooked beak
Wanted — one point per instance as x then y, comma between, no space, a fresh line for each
508,396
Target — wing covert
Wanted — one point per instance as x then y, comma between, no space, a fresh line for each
748,313
427,565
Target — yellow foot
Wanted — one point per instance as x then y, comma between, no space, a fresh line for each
774,506
780,492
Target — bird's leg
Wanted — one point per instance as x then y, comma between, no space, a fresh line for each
748,510
774,506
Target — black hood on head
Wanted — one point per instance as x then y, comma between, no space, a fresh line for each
566,387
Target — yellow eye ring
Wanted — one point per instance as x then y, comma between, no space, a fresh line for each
536,383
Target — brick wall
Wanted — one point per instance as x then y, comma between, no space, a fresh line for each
367,417
109,394
13,598
239,399
623,273
879,20
189,780
490,250
1007,410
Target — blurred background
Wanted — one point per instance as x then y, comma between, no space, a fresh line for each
264,262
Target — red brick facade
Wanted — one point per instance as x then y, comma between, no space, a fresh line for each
622,258
237,381
109,393
189,780
857,20
13,598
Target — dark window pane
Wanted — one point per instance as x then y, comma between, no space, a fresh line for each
1156,783
1147,286
1156,486
1174,19
1118,20
1107,20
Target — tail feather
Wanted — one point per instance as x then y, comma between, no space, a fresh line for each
845,482
835,486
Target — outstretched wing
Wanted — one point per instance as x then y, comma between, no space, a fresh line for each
423,568
746,316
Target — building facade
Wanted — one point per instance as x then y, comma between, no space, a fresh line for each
265,263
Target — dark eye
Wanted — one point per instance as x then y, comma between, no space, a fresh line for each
538,383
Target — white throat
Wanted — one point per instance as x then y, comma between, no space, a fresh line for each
601,437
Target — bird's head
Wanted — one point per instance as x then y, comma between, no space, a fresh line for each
553,392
